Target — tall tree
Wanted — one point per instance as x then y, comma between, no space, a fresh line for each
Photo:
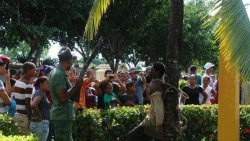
120,19
70,19
199,45
25,21
171,123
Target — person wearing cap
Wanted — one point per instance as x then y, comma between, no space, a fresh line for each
193,70
47,70
62,112
22,95
4,91
209,68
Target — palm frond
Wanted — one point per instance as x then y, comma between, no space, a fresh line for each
233,34
98,9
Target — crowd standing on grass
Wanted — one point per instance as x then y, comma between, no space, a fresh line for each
44,101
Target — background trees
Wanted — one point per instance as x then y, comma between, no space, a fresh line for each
199,45
26,21
133,30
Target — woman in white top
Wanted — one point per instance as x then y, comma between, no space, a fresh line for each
208,89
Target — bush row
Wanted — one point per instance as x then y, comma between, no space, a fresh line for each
202,123
17,138
101,125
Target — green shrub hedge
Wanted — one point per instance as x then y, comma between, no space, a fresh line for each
102,125
89,125
18,138
202,123
7,125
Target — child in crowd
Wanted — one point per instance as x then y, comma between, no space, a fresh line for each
211,94
193,91
110,98
152,125
128,99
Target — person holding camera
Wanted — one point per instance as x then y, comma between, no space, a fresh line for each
139,79
117,86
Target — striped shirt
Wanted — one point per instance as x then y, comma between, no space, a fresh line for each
3,106
22,91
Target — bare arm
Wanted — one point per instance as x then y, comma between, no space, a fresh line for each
204,97
65,95
104,81
143,79
5,97
7,83
213,93
27,106
97,91
34,106
122,86
147,93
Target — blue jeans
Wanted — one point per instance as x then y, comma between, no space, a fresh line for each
40,129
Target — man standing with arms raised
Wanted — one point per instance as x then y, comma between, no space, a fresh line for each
62,112
139,79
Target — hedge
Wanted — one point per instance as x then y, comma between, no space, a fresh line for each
18,138
110,125
102,125
202,123
7,125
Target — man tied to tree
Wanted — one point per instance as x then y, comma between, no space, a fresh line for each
62,112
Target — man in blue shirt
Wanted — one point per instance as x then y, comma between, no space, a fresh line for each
139,80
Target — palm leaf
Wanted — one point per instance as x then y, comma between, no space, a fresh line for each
98,9
233,34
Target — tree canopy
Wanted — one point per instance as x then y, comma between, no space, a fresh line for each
133,30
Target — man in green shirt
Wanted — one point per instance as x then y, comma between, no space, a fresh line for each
62,111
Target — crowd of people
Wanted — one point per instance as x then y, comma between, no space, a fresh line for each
44,100
201,90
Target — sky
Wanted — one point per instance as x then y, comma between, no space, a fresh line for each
55,47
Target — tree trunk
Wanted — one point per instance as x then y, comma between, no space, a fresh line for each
172,118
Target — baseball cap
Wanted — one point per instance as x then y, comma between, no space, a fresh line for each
4,59
208,65
64,53
48,69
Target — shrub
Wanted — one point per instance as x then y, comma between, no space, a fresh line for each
123,120
87,126
7,125
18,138
202,123
107,125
